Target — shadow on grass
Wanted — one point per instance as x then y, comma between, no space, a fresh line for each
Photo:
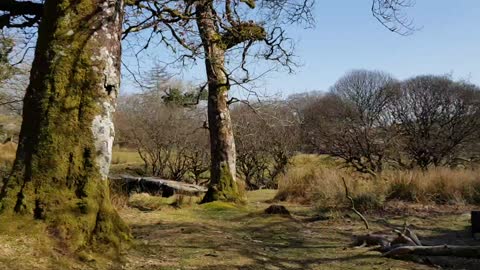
223,236
268,246
252,241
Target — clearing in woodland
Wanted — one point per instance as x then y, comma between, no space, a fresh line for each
223,236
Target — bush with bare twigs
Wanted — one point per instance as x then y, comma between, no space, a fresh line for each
267,136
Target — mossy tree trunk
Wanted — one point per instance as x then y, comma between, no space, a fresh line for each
60,172
223,181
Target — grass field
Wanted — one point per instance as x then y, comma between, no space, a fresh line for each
222,236
125,156
126,161
225,236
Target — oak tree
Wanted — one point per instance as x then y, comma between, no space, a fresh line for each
65,145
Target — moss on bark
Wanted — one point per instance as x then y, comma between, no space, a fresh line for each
223,184
227,189
56,176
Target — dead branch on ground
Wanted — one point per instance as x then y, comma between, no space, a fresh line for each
407,243
352,205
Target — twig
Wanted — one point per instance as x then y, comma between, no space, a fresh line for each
347,194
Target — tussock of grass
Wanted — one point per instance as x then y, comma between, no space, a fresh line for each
311,182
324,187
438,185
119,199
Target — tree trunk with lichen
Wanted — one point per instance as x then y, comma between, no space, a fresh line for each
223,181
60,172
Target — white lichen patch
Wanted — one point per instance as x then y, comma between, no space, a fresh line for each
102,125
110,71
103,133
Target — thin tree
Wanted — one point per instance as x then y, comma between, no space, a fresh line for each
226,35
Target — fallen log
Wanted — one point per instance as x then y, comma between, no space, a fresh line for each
413,236
369,240
407,243
443,250
352,205
155,186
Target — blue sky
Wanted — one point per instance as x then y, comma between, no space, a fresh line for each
347,37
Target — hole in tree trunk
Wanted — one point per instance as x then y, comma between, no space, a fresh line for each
109,88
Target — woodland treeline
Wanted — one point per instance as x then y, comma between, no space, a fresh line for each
368,120
60,173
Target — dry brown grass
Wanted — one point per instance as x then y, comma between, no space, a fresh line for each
7,151
7,156
311,182
438,185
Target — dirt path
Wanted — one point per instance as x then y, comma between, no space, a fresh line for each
221,236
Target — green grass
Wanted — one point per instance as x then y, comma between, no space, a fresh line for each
125,156
126,161
25,245
227,236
